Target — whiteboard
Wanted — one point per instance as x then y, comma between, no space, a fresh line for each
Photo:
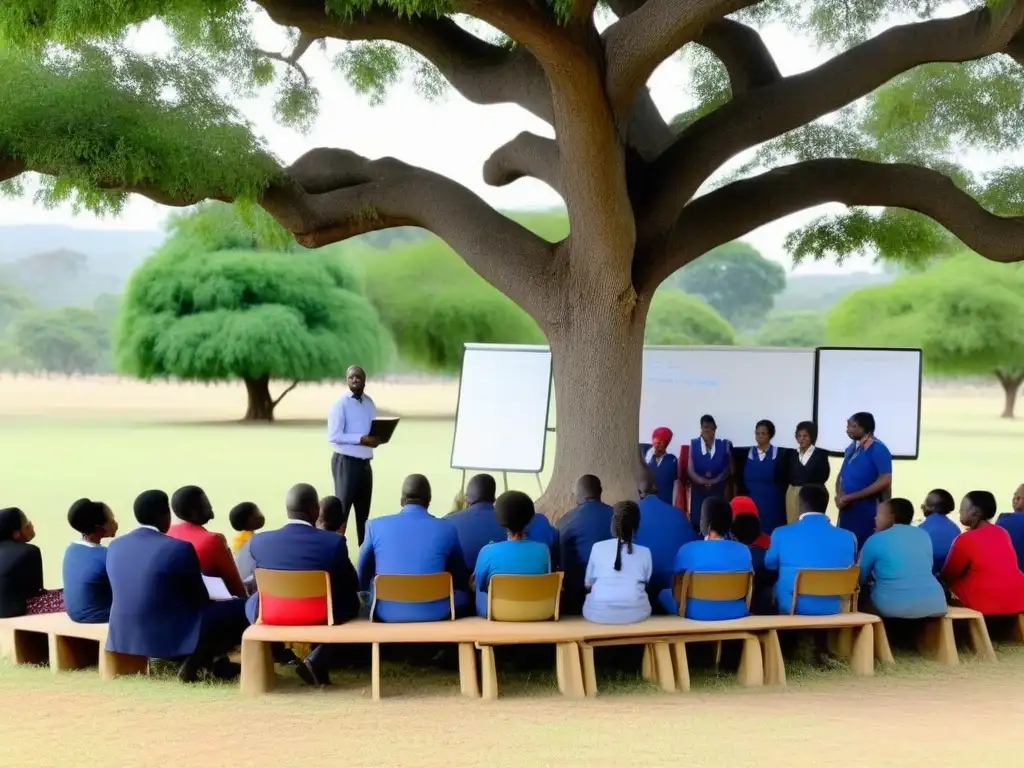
502,414
884,382
737,386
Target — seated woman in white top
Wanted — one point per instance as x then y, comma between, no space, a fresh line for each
618,572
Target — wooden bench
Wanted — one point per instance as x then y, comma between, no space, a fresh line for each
56,640
937,640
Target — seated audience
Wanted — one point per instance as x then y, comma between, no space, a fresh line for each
21,569
1013,523
516,555
981,571
87,594
192,507
896,563
161,608
300,546
413,542
938,505
664,531
811,542
476,524
332,515
618,571
746,529
715,554
245,518
578,531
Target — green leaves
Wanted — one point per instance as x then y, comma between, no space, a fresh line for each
677,319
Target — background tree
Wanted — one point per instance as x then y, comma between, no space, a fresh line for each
209,306
66,340
736,280
791,329
13,302
644,198
678,319
966,314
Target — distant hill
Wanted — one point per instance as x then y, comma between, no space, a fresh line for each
821,292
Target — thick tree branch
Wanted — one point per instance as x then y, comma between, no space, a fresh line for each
738,208
292,59
526,155
292,386
765,113
641,40
743,53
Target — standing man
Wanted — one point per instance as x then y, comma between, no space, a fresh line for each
348,428
865,478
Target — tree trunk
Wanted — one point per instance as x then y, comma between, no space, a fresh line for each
1011,384
261,406
597,357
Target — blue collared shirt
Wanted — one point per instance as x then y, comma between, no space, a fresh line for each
348,421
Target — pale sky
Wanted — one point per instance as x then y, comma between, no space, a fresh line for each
450,136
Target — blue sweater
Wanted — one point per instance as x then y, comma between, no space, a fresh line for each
898,564
87,594
1013,524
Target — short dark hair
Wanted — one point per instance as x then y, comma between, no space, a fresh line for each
946,501
625,524
746,528
984,502
810,428
152,508
767,425
902,510
514,510
588,487
707,418
866,421
241,514
10,522
332,513
186,502
87,516
814,498
718,515
481,488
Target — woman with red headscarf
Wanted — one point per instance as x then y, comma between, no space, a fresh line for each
746,529
663,464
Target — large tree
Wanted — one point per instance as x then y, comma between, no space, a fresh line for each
228,299
966,314
65,340
640,193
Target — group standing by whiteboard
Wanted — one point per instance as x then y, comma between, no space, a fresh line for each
712,467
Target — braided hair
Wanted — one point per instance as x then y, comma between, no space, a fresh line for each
625,524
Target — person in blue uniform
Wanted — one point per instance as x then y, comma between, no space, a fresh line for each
578,532
664,531
761,474
1013,522
938,505
865,478
664,466
708,468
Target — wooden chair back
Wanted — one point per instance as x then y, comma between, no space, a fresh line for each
306,595
418,588
729,585
524,598
828,582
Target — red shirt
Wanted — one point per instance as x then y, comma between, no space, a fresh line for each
214,556
981,571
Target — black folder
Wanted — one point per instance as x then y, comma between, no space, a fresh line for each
383,429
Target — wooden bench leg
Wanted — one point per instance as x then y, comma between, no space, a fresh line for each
258,676
862,655
71,653
937,641
774,664
589,670
681,663
1018,629
121,664
570,671
375,672
467,671
663,667
647,670
488,673
883,652
751,671
31,648
840,642
980,640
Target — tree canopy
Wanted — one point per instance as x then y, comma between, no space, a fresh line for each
966,314
791,329
210,306
678,319
880,127
736,280
65,340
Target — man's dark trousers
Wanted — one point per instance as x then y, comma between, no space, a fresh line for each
353,485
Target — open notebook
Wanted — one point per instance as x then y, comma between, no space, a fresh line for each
216,588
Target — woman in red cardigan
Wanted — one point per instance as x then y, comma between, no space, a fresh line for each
981,570
193,508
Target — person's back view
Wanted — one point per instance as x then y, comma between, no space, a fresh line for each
665,529
87,593
618,572
476,524
1013,524
413,542
938,505
811,542
578,532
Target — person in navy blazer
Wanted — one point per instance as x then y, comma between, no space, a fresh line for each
160,606
578,531
811,542
301,546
